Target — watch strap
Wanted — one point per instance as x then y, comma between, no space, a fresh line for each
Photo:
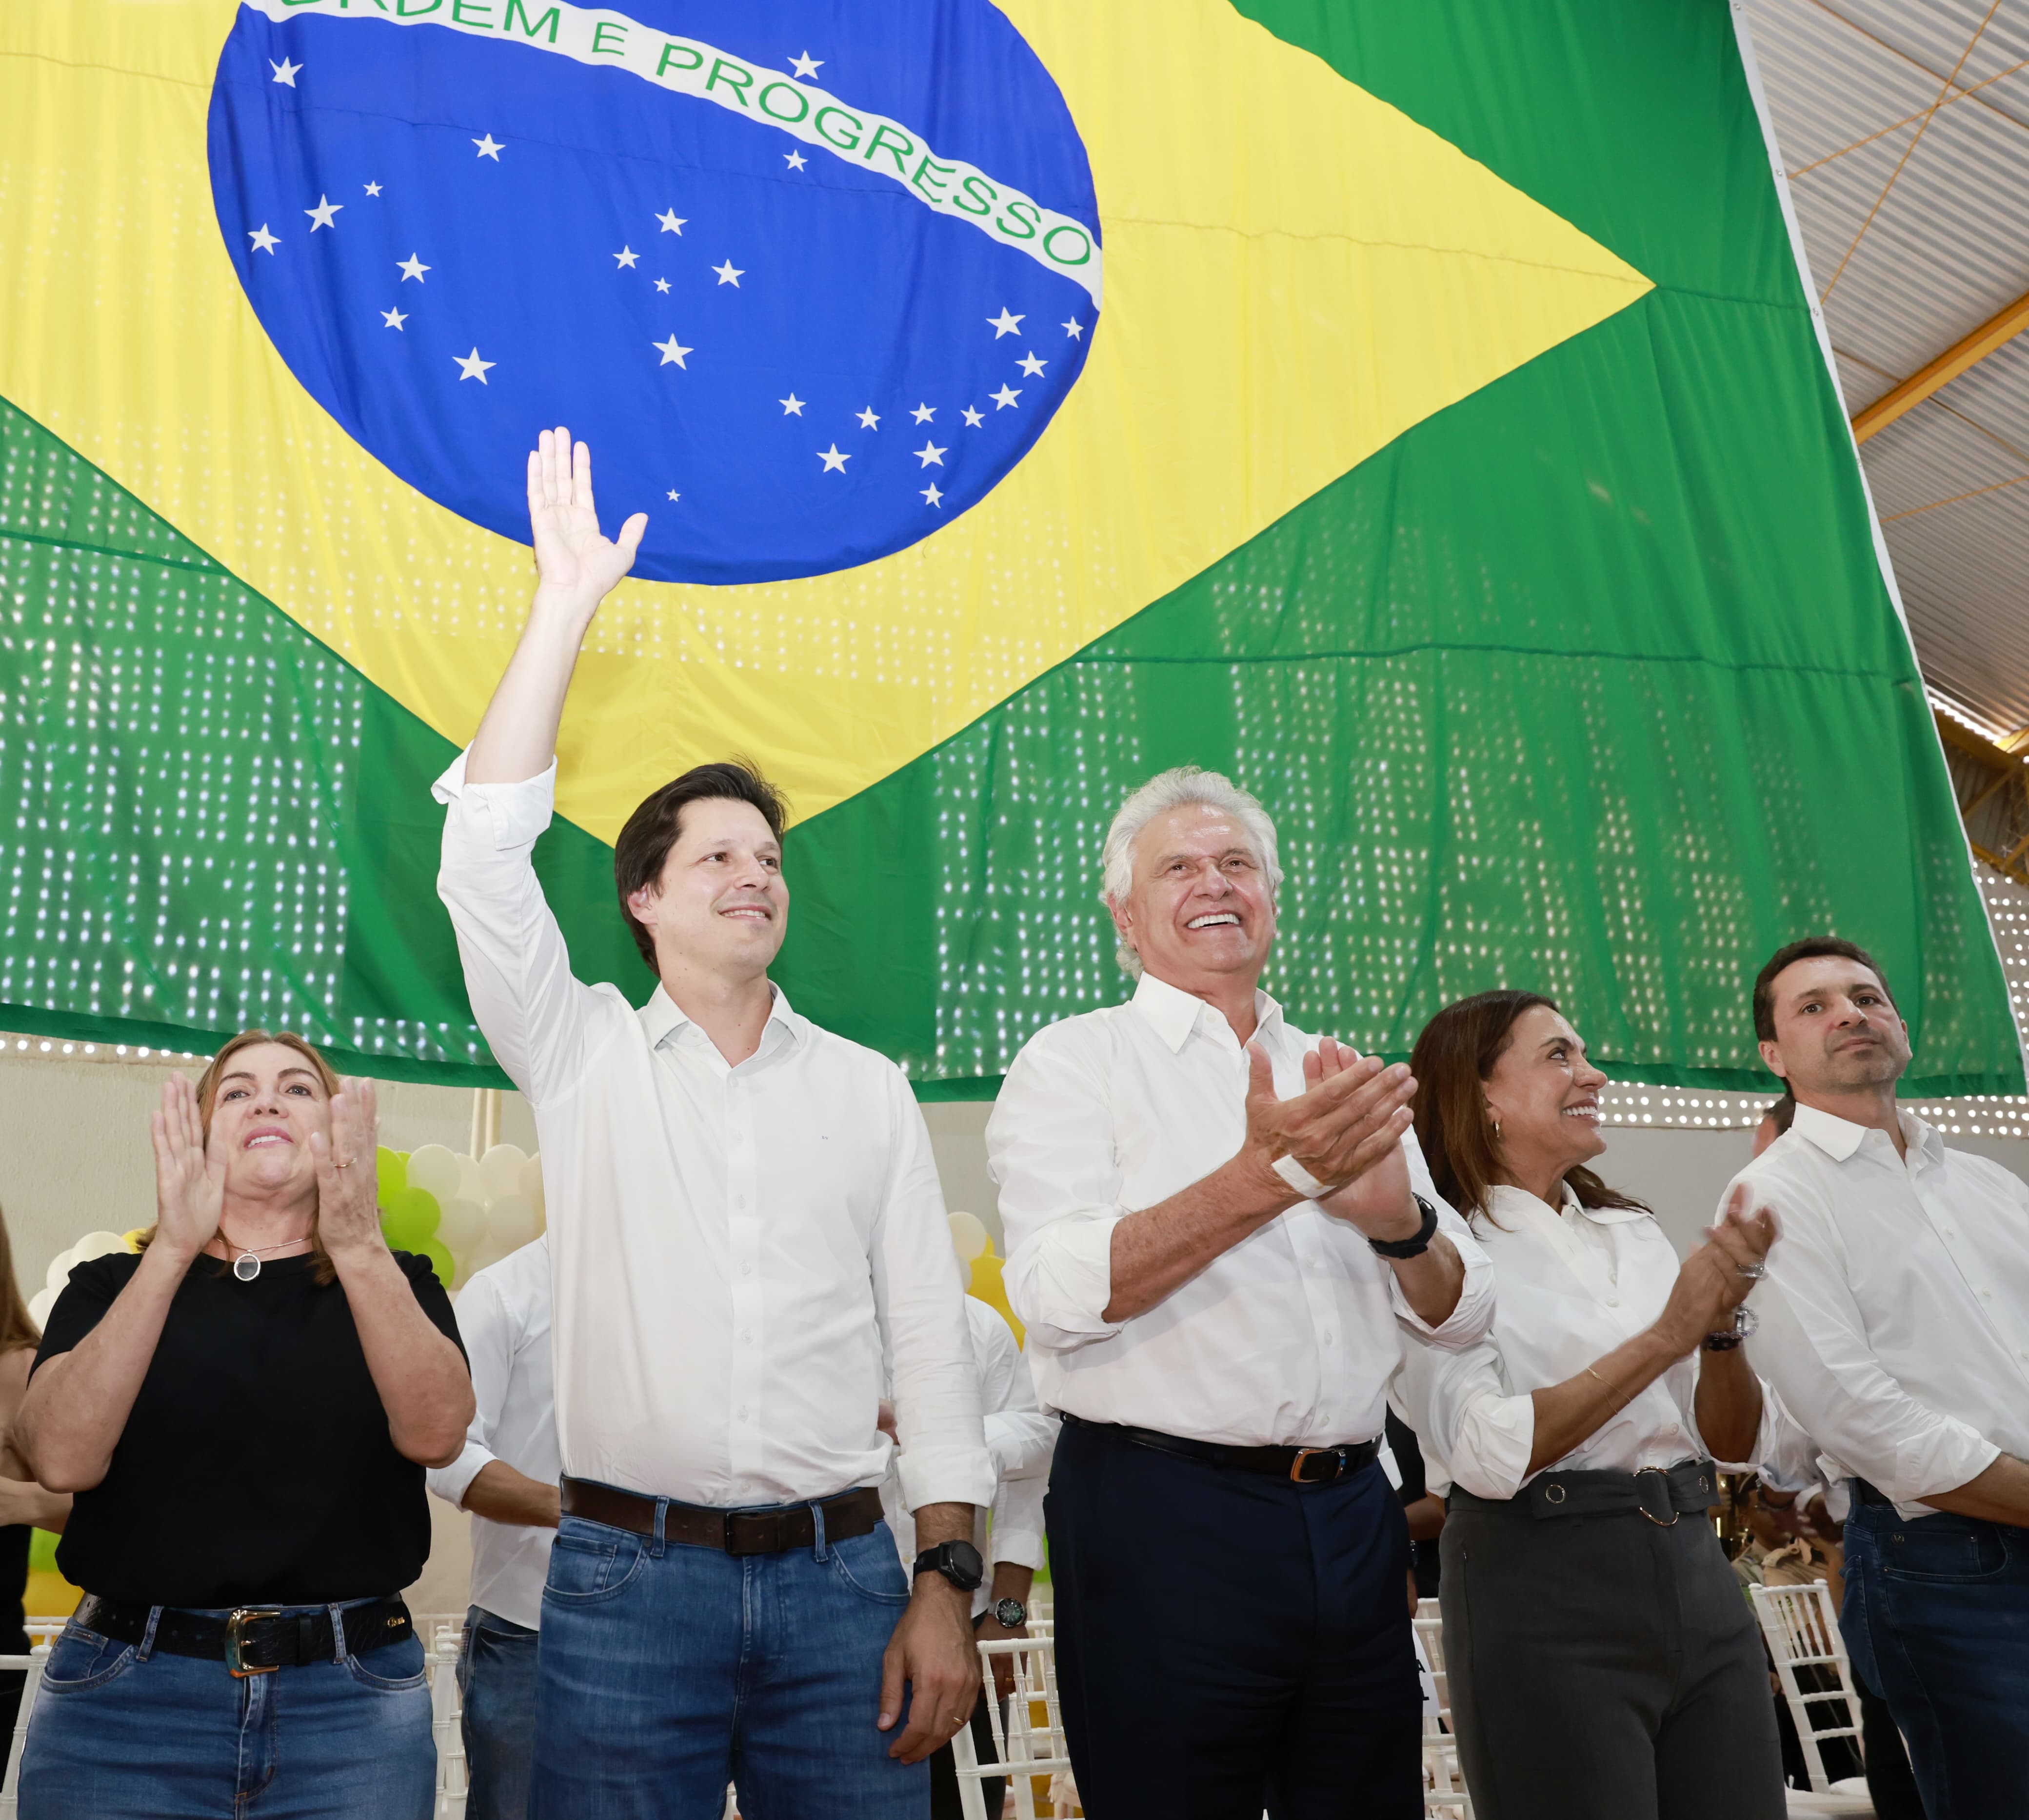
1416,1246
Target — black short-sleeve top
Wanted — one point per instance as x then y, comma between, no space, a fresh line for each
257,1467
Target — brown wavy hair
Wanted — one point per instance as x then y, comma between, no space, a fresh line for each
1452,1061
207,1098
17,1326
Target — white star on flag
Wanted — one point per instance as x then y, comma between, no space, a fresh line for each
673,223
973,419
264,242
671,351
923,413
1003,397
627,256
791,405
474,367
1075,329
930,453
394,318
729,273
806,66
489,147
674,494
795,160
1003,323
931,492
320,216
414,268
1031,365
833,462
662,285
373,189
285,71
868,420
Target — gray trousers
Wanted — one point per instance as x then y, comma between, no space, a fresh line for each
1603,1668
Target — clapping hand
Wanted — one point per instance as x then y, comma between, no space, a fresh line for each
348,1185
189,1179
1721,1274
573,559
1347,1122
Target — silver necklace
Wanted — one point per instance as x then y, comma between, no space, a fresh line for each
246,1266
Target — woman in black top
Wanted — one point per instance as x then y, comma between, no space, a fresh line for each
244,1413
24,1505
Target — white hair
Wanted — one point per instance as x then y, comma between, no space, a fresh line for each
1169,790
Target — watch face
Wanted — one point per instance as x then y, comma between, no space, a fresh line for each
1010,1613
967,1570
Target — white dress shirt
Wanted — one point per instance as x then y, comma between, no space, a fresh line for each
1895,1319
503,1318
1575,1283
1022,1439
1290,1338
731,1246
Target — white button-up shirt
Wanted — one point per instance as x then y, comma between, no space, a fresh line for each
1022,1441
1290,1338
1895,1319
730,1246
1575,1283
503,1317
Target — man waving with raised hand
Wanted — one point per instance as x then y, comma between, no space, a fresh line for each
1217,1228
744,1215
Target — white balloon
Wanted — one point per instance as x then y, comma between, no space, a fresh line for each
60,1269
484,1253
511,1222
969,1239
471,1183
434,1168
461,1225
531,1189
39,1305
502,1167
99,1244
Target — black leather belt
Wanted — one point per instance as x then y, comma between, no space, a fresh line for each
1662,1495
1304,1465
1868,1494
735,1531
254,1639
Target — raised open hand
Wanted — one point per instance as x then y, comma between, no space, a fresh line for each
190,1185
572,557
348,1210
1343,1124
1721,1274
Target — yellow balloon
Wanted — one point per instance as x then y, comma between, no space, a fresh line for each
969,1236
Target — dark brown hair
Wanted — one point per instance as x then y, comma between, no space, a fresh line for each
17,1326
1452,1059
207,1098
1810,948
653,829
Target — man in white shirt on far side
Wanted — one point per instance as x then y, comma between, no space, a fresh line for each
744,1222
506,1477
1217,1229
1894,1325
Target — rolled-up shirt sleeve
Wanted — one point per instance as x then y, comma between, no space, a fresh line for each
1482,1431
1812,1346
920,1302
1050,1146
518,974
484,1325
1471,1319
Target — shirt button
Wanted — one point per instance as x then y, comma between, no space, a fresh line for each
1613,1301
1987,1295
1951,1232
1328,1336
742,1412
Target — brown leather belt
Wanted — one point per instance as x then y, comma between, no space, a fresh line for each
734,1532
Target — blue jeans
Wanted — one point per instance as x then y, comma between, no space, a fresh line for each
126,1732
1937,1619
496,1679
667,1671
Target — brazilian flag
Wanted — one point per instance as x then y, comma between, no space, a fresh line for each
1415,411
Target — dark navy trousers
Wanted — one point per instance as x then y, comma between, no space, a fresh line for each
1228,1641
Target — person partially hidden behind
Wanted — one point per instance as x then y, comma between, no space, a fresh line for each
244,1413
1895,1328
24,1505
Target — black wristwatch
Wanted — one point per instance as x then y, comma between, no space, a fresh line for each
1414,1247
1010,1613
958,1562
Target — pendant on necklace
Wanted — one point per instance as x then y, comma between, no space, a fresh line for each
247,1267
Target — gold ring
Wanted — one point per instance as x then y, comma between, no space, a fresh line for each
348,1163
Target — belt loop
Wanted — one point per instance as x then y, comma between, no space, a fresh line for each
337,1632
821,1553
657,1542
148,1636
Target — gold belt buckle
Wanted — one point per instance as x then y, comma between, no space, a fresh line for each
235,1640
1304,1453
1662,1473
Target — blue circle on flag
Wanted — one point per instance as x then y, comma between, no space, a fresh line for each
811,276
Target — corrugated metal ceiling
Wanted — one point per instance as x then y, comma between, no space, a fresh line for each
1904,126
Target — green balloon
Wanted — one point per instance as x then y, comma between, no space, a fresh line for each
440,1259
391,1169
411,1219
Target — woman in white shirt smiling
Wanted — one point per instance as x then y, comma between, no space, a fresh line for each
1602,1662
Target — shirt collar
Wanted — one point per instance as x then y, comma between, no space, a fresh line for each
1175,1013
1505,1196
662,1018
1840,1138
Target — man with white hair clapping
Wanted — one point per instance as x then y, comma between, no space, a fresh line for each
1217,1227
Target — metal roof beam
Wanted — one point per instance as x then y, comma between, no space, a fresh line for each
1960,357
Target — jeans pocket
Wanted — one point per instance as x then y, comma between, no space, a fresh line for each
81,1660
1961,1551
872,1567
397,1668
590,1562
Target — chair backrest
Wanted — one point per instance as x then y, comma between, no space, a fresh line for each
31,1665
444,1639
1811,1666
1029,1742
1443,1783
